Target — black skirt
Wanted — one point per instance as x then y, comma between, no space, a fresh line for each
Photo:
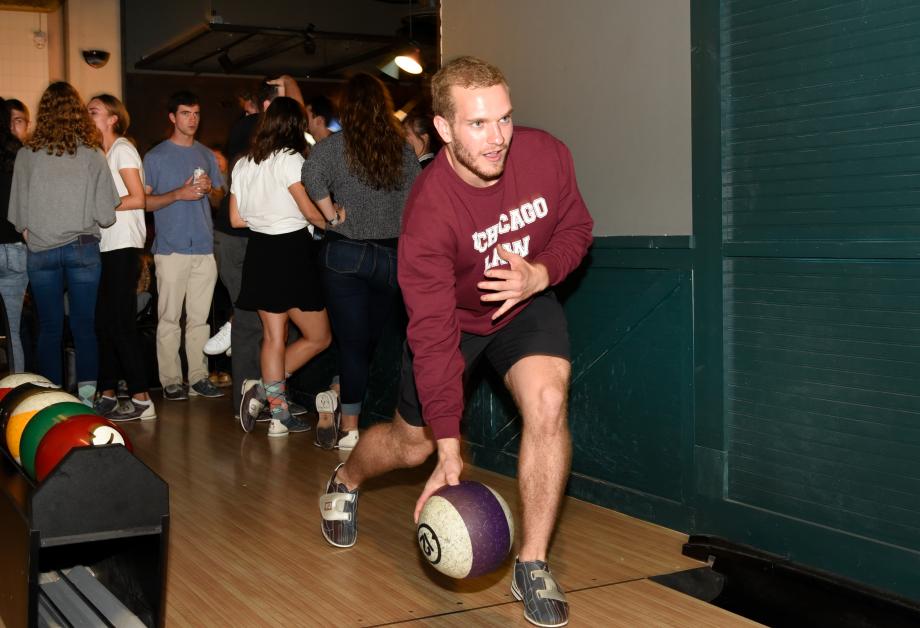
280,273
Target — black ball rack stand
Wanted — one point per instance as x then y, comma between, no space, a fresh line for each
87,546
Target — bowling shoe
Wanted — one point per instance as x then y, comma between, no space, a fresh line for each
339,509
544,602
327,425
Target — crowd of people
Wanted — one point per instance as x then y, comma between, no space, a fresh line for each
314,245
75,236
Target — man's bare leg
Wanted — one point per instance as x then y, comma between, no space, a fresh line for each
540,385
385,447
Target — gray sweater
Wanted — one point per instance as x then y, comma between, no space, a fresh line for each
59,198
371,214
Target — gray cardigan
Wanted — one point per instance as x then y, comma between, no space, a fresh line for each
371,214
59,198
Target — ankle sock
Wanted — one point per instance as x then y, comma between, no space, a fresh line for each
86,391
277,399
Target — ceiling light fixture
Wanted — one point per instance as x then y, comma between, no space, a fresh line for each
409,61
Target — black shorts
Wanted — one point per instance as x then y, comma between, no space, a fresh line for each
539,329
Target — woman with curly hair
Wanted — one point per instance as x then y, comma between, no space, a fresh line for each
62,194
368,168
280,277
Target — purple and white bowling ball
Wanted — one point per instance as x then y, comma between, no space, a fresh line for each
465,530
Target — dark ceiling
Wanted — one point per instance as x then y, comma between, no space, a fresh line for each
216,47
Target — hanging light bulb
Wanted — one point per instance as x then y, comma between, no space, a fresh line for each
409,62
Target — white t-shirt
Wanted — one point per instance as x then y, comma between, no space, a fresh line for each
129,229
262,195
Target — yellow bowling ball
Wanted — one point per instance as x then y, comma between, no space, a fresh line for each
23,413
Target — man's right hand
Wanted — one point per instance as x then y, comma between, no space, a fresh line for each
189,191
447,471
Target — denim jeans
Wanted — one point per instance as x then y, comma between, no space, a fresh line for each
76,267
359,279
13,282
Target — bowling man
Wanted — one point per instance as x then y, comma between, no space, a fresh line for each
490,226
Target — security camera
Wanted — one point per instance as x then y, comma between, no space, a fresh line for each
96,58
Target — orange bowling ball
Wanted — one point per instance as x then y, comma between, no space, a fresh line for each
79,431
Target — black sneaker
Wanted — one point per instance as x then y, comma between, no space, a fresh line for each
175,392
544,602
339,509
204,388
130,410
296,409
105,405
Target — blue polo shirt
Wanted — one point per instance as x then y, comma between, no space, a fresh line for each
183,227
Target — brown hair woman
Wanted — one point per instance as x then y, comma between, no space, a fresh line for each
367,168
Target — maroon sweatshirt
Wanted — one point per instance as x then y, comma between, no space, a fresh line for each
450,232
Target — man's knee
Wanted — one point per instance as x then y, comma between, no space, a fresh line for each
416,443
545,412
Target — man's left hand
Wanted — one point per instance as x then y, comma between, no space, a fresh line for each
203,184
512,286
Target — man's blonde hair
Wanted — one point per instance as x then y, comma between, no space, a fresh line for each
466,72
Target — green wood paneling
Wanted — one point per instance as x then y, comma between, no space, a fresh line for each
630,326
820,228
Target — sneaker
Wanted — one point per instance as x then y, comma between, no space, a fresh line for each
175,392
105,405
327,426
339,509
277,428
252,404
219,342
348,441
204,388
544,602
296,409
295,425
132,410
229,351
290,425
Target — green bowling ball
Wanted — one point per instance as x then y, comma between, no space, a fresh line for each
44,420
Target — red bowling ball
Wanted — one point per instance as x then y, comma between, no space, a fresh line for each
79,431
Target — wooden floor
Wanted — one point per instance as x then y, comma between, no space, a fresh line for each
246,549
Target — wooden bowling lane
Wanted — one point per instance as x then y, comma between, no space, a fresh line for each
246,549
625,605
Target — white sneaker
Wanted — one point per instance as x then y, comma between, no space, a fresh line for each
349,440
277,428
219,342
